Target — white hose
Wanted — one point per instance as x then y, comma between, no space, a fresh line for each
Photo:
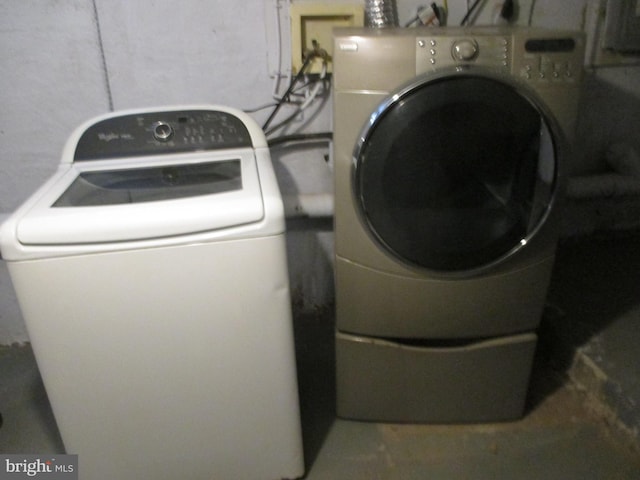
623,180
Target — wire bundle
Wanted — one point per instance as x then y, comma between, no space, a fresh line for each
312,54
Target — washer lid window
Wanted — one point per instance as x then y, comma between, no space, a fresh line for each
455,173
90,204
147,184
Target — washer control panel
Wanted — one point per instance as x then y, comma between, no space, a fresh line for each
154,133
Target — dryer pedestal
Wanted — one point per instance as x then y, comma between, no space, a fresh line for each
385,381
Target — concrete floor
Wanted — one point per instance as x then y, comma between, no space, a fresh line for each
592,324
575,427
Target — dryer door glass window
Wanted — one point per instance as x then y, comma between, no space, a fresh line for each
456,174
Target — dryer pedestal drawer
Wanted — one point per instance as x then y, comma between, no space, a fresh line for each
385,381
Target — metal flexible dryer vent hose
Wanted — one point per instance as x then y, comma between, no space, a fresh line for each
381,13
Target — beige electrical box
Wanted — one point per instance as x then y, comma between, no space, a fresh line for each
311,28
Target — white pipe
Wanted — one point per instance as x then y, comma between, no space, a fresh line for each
623,180
317,205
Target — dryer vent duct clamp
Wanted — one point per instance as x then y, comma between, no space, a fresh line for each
446,186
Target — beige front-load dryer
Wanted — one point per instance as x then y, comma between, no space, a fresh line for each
449,148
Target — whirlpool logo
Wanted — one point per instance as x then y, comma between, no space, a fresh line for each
58,467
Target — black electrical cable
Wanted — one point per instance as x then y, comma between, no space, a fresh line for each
301,137
469,12
531,9
273,104
508,10
312,96
306,63
436,12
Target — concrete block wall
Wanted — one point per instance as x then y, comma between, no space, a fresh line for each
65,61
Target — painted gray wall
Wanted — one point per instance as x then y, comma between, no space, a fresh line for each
64,61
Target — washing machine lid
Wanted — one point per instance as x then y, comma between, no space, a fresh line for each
125,200
456,172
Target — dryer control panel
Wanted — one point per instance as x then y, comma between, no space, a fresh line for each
549,61
154,133
438,51
543,58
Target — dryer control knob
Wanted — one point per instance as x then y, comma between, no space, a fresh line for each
464,50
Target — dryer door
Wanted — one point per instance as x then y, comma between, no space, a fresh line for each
456,173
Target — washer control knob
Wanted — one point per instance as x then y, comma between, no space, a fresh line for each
464,50
162,131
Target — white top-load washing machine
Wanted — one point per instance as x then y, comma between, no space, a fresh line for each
151,272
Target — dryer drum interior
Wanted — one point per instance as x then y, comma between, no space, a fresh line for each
455,173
